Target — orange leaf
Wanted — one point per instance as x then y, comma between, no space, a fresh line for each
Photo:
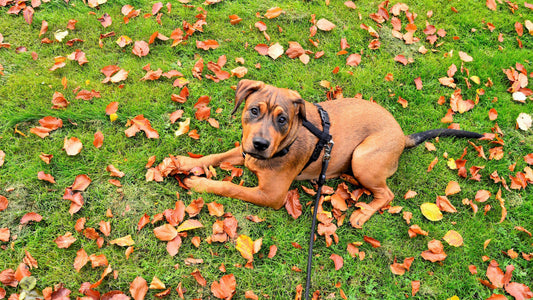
215,209
3,203
31,216
519,290
81,259
105,228
140,48
199,278
482,195
72,146
491,4
206,45
22,271
111,108
272,251
337,260
114,171
493,114
373,242
415,287
225,288
174,245
46,177
138,288
452,188
292,203
98,139
194,208
495,274
64,241
81,182
145,219
165,232
273,12
353,60
445,205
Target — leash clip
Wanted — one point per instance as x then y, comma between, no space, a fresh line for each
327,150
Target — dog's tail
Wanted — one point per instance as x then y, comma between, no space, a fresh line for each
416,139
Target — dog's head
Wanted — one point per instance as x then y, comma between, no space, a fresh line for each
270,118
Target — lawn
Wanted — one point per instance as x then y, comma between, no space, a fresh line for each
432,64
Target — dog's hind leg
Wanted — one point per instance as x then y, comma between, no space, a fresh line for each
373,161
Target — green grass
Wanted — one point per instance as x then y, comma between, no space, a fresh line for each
26,90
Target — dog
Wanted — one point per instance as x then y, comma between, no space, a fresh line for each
276,147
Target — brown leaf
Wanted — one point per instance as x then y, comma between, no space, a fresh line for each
174,245
206,45
105,20
337,260
114,171
81,259
225,288
64,241
140,48
98,139
46,177
495,274
353,60
81,182
138,288
215,209
31,216
165,232
292,203
194,208
372,241
199,278
7,277
519,290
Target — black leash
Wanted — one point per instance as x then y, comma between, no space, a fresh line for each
324,142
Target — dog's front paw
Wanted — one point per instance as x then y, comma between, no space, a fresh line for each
187,163
197,184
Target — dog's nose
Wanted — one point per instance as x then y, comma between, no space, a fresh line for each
260,144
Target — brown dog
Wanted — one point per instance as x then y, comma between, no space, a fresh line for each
367,139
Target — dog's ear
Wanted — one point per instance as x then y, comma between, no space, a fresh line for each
299,103
244,89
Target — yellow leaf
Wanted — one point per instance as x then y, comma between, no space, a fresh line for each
245,245
123,241
190,225
431,211
113,117
475,79
454,298
453,238
451,164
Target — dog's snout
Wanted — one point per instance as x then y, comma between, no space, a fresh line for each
260,144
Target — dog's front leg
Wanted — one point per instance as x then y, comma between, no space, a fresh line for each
270,192
233,156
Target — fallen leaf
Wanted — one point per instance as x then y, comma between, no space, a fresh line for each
431,211
453,238
524,121
165,232
495,274
124,241
452,188
72,146
64,241
225,288
190,225
3,203
372,241
81,182
325,25
292,204
275,51
273,12
140,48
98,139
337,260
31,216
244,245
138,288
465,57
81,259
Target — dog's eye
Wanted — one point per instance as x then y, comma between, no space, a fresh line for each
254,111
282,120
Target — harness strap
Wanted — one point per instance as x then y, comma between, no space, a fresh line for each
323,135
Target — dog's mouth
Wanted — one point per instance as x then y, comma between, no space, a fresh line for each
256,155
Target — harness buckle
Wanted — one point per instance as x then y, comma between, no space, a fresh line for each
327,149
